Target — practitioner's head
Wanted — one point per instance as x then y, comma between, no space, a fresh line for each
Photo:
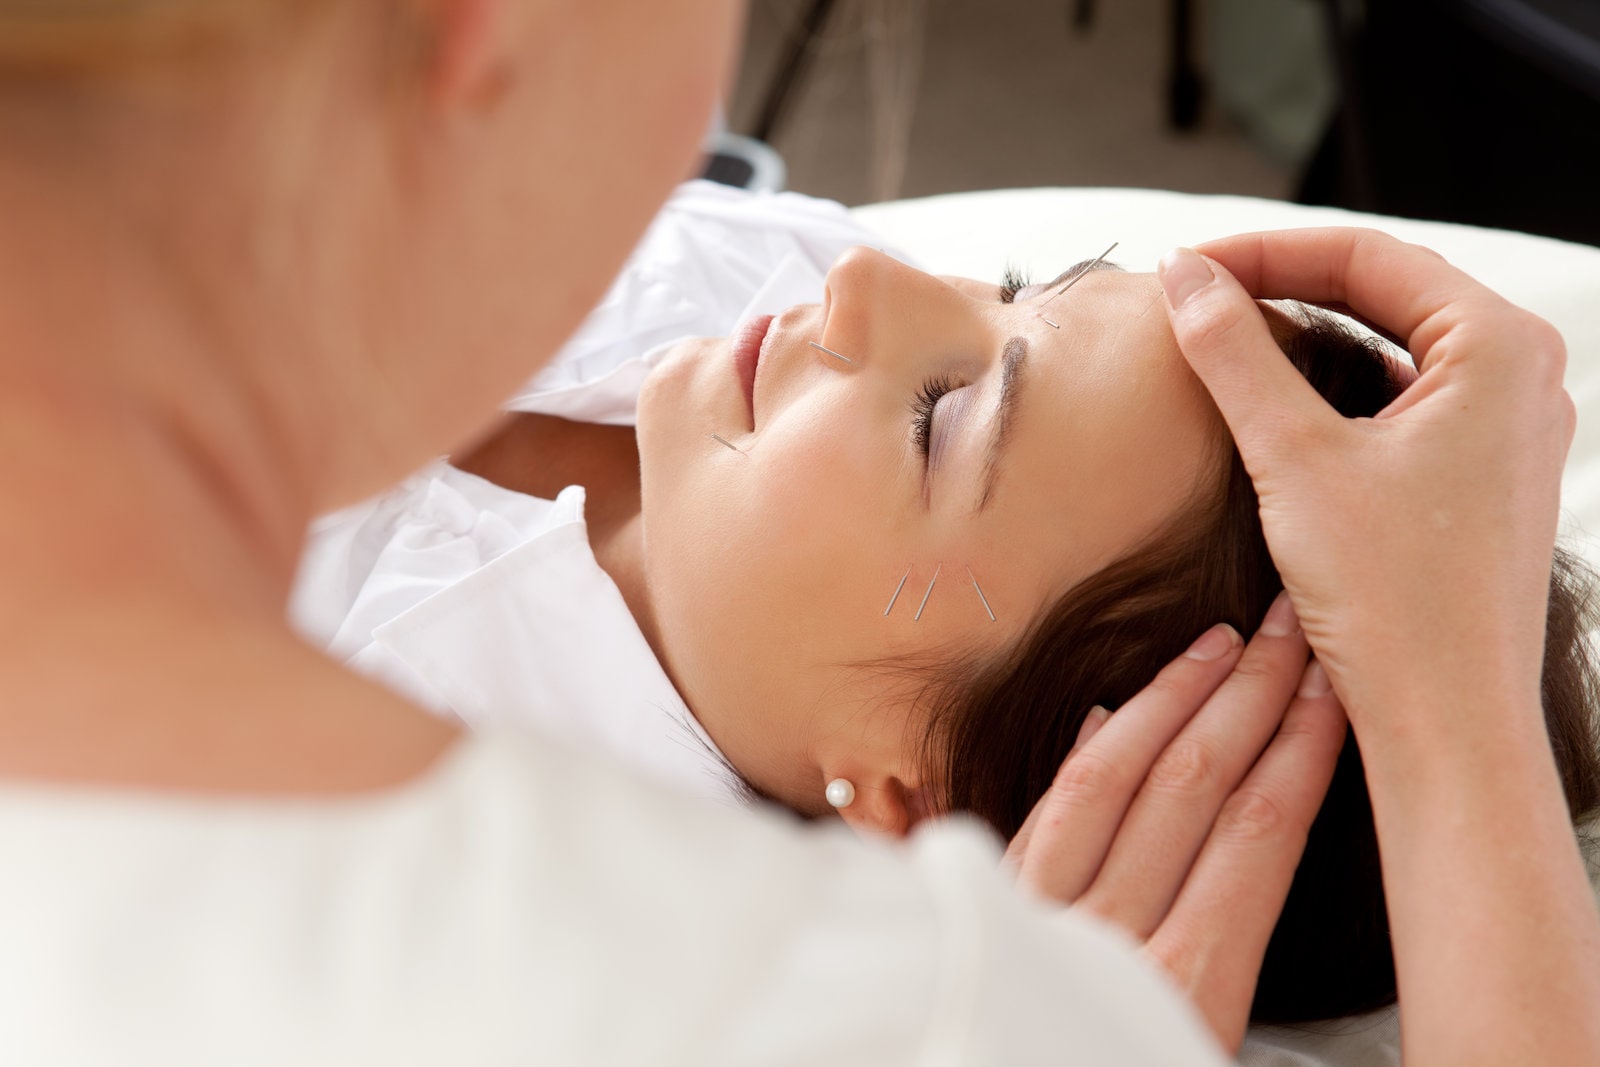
770,571
1122,526
381,214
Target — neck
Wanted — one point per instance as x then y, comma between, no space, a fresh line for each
132,455
143,499
146,551
540,455
161,415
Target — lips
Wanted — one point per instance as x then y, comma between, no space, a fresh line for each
747,356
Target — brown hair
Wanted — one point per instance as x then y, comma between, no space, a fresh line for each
1000,729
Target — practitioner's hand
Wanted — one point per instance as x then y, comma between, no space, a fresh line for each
1416,544
1182,818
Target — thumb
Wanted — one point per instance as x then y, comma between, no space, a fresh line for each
1229,346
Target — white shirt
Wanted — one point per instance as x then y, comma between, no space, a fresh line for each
487,605
523,903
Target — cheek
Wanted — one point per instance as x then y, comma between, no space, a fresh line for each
780,552
775,519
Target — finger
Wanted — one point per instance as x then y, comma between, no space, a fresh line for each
1175,810
1091,725
1219,327
1019,844
1079,814
1355,316
1215,937
1401,287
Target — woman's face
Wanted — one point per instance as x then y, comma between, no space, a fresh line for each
968,439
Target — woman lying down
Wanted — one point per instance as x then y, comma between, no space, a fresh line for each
889,549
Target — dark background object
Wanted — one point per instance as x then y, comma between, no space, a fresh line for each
790,69
728,170
1185,88
1013,93
1475,111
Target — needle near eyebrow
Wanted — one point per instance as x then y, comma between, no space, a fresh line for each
1076,278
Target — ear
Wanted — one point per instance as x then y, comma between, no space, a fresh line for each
467,62
886,807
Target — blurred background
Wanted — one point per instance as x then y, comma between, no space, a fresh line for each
1476,111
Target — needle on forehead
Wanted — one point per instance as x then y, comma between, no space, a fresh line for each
1076,278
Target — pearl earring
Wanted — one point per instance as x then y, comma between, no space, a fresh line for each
840,793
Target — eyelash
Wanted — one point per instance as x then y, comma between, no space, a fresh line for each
1011,283
927,398
922,406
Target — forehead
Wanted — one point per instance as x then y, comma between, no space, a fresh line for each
1116,437
1033,287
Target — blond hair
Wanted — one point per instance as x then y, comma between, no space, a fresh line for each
64,37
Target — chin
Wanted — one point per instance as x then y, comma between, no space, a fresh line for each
665,408
679,384
664,391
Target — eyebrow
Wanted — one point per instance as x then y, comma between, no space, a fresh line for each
1078,268
1011,381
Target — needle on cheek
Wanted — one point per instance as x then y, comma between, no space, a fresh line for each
981,597
729,444
897,589
830,352
918,616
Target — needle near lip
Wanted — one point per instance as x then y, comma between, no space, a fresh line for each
830,352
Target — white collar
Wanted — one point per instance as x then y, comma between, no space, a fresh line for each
541,636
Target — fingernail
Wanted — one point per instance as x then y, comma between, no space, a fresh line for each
1091,724
1314,682
1214,643
1281,621
1183,272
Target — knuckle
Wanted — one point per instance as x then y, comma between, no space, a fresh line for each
1087,780
1543,337
1545,349
1182,951
1372,234
1568,418
1094,901
1209,326
1187,766
1257,672
1252,815
1175,681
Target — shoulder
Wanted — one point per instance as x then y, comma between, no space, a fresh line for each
525,901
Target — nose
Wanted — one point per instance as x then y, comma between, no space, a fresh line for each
881,312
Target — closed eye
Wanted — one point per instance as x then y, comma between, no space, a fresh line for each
1012,283
922,408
